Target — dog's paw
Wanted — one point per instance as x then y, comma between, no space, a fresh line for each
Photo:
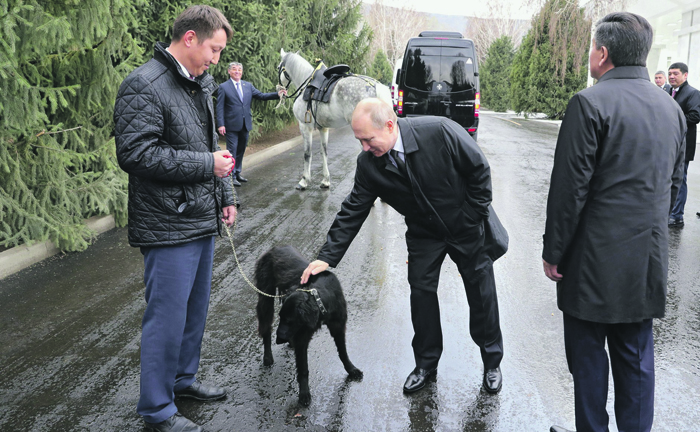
305,399
268,360
355,374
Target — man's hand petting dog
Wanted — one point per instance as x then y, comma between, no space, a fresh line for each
314,268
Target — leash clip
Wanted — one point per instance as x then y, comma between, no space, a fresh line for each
318,301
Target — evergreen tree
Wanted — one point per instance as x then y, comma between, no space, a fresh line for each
520,75
324,29
550,65
61,64
495,75
336,33
260,29
381,70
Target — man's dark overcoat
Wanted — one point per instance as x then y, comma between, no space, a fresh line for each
688,99
449,195
618,165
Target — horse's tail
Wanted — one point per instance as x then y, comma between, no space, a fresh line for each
384,93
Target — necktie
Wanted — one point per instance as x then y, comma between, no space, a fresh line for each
673,93
238,89
400,164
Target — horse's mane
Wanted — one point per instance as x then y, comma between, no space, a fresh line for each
297,60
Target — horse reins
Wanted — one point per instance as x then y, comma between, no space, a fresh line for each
283,70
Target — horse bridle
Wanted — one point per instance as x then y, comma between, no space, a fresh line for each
281,69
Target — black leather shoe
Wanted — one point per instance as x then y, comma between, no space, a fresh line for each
175,423
241,179
493,380
675,222
201,392
559,429
416,380
235,182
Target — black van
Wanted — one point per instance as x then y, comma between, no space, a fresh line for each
439,76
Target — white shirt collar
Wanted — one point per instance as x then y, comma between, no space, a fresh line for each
184,69
398,146
234,81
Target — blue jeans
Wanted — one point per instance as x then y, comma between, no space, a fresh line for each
679,207
178,282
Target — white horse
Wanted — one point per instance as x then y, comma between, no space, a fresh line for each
334,114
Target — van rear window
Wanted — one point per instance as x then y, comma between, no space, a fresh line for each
435,69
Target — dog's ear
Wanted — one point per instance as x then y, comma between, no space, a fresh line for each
308,311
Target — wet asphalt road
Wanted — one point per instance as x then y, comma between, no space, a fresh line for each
70,326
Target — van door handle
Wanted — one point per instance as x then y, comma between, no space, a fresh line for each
410,103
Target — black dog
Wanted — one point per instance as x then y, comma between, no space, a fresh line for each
302,313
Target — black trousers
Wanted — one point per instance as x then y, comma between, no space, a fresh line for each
236,143
425,259
631,347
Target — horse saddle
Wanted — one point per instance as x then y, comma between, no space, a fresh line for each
323,81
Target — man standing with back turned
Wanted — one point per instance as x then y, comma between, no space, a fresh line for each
179,190
688,99
616,174
446,214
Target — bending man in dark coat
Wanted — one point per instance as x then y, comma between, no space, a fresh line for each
445,215
616,175
688,99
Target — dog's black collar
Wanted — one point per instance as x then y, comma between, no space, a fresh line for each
318,302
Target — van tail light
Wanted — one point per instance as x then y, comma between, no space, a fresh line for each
471,130
393,93
477,105
400,106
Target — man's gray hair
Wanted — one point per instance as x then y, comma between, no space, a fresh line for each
661,73
627,37
379,112
232,64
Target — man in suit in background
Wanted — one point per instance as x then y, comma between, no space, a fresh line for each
616,175
233,114
688,99
660,80
446,214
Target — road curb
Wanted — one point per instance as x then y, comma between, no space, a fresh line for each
23,256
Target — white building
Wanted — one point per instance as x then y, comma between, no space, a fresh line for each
676,25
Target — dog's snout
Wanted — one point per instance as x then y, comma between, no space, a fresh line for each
280,340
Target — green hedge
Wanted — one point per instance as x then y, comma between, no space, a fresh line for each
495,75
551,64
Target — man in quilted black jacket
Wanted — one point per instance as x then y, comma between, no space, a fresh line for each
179,191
